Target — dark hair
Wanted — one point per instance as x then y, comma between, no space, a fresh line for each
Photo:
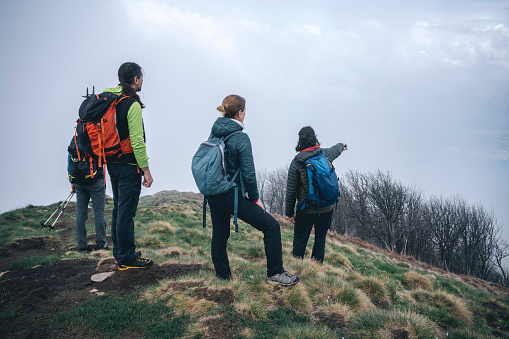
126,74
232,104
307,138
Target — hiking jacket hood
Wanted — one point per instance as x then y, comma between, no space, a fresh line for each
239,153
297,184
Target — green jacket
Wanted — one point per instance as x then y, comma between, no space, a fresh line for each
238,154
136,133
297,185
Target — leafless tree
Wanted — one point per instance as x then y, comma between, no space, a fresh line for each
445,226
388,196
272,188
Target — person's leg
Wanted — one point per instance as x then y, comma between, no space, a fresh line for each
112,171
82,198
257,217
303,225
220,235
321,228
98,195
129,189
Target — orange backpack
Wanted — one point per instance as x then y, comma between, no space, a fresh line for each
97,130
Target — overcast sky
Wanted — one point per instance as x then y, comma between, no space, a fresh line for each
419,89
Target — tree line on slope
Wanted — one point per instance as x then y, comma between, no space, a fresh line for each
446,232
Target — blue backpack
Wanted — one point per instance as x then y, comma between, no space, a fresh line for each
210,173
323,183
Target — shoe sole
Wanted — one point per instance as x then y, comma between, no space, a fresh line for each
123,267
271,282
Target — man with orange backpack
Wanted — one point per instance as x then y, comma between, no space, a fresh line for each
111,130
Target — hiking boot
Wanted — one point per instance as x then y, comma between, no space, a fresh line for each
98,246
83,249
136,254
283,279
138,263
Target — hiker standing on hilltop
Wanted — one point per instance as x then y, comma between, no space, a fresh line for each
300,187
239,154
87,188
126,172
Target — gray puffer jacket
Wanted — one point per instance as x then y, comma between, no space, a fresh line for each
297,185
238,153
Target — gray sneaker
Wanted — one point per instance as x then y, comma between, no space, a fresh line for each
283,279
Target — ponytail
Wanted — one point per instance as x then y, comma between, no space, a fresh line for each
126,74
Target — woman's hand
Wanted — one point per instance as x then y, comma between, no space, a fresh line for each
290,219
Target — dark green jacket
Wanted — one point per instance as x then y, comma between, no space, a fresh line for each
238,154
297,185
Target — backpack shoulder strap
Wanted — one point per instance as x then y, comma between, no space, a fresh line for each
229,135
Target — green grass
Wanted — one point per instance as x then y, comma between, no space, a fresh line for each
113,317
372,289
29,262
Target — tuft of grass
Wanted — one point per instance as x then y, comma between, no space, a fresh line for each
161,227
352,297
337,259
379,323
374,288
298,298
414,280
35,260
443,308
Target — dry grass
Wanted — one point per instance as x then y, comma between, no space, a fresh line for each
415,280
375,288
456,304
335,258
161,227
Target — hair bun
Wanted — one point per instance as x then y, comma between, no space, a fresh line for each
220,108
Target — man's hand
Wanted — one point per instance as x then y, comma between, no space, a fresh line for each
147,177
73,188
290,219
346,147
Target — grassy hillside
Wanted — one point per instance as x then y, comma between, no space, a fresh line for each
359,292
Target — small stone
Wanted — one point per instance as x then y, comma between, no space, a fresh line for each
100,293
95,290
1,274
100,277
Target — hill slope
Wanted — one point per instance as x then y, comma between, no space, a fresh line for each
360,291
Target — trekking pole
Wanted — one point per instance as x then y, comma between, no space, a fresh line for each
62,207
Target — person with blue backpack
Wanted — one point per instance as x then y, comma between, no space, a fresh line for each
312,183
219,174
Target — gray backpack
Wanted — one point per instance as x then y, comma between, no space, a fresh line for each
210,173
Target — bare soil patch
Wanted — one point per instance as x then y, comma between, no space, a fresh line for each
30,298
23,248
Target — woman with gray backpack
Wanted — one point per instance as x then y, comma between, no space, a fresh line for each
313,184
240,172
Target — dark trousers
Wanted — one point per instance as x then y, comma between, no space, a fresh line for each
221,209
303,225
126,186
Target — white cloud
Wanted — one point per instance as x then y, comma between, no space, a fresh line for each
175,20
313,29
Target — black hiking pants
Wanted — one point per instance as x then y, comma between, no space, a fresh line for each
221,210
303,225
126,186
